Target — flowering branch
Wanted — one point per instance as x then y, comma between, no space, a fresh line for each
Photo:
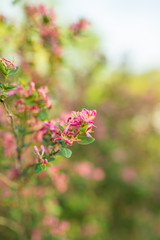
31,106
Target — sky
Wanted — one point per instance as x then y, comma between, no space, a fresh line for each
126,28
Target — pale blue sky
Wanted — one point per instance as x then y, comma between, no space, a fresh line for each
125,27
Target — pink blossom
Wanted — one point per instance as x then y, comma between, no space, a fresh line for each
128,174
45,161
36,234
88,116
42,92
58,227
8,64
60,180
13,173
42,148
84,169
31,88
57,49
42,9
36,150
98,174
81,25
72,126
38,135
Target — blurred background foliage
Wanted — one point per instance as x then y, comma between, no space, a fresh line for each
109,189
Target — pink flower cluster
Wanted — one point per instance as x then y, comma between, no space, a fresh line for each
57,227
82,24
40,10
8,64
44,19
41,155
87,170
128,174
59,179
68,131
39,98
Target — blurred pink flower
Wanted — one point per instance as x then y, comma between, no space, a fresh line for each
89,230
61,182
36,234
84,169
98,174
12,173
128,174
40,155
57,227
82,24
9,144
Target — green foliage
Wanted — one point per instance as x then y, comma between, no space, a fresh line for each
42,115
51,159
83,129
65,152
13,71
37,168
29,102
60,127
3,69
85,140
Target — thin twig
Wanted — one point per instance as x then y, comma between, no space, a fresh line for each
13,130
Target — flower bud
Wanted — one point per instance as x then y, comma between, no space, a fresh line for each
42,149
42,161
45,161
36,150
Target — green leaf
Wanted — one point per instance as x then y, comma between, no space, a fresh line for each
15,1
46,19
45,140
19,115
42,115
85,140
13,71
2,85
37,168
65,152
60,127
3,69
83,129
29,102
3,95
51,159
6,87
43,167
60,141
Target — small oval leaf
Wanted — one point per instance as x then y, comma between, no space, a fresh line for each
85,140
